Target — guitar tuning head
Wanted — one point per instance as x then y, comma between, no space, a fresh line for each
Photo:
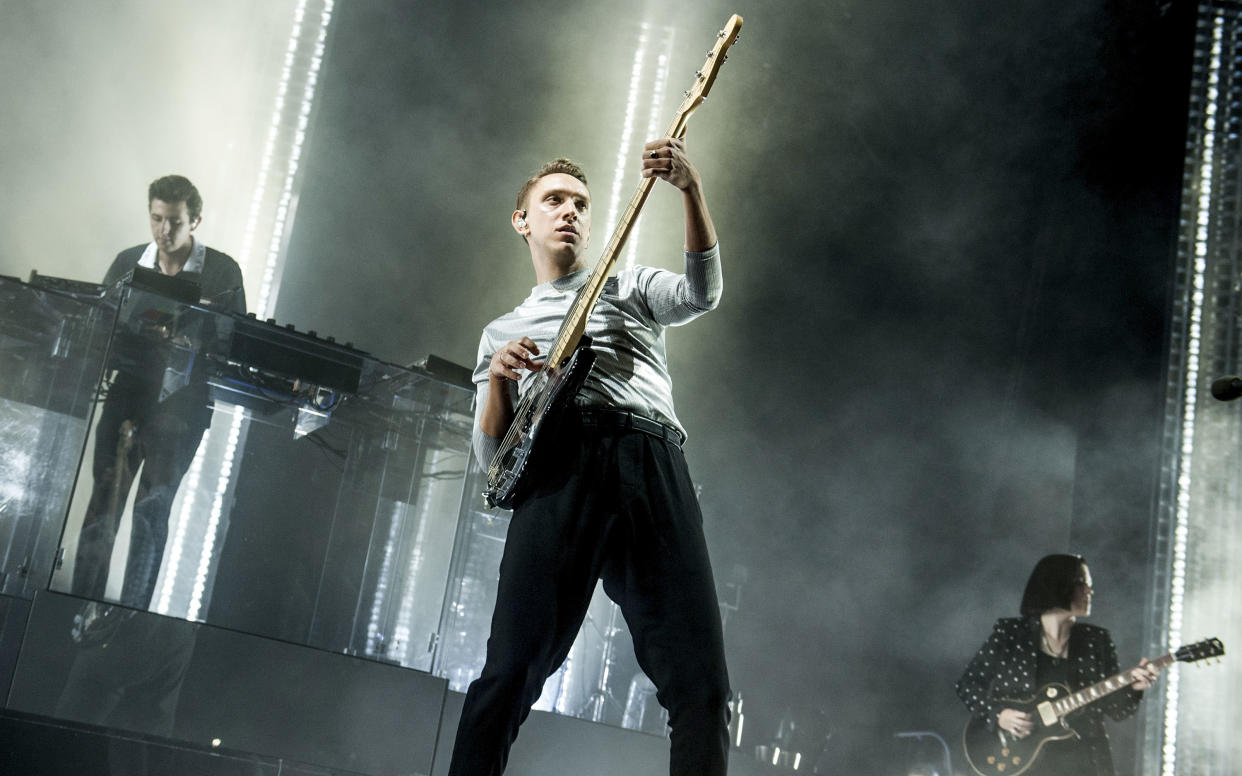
711,54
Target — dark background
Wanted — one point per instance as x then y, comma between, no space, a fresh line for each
947,231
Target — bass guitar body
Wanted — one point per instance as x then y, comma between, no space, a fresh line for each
534,417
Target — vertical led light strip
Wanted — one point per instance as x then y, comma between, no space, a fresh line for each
378,644
623,161
405,621
285,138
1190,391
223,480
258,196
163,600
653,124
270,285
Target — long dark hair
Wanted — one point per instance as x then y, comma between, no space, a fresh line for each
1052,583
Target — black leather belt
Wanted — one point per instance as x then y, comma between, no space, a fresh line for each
624,419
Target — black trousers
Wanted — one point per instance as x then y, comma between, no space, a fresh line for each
164,439
618,504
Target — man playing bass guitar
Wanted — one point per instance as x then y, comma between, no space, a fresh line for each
610,496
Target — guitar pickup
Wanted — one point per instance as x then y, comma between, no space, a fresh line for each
1047,714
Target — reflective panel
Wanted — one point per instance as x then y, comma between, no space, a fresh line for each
129,673
53,335
247,475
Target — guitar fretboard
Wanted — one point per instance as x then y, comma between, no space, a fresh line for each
1095,692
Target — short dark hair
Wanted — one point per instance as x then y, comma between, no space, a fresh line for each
173,189
558,165
1052,583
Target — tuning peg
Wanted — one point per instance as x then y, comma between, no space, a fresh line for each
711,53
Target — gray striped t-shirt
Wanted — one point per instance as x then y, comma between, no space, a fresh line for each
627,331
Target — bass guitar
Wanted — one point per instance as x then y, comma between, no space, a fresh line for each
998,753
570,358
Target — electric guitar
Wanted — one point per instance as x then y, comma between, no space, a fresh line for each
571,358
998,753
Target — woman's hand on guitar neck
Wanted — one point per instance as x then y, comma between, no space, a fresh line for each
1143,675
1017,723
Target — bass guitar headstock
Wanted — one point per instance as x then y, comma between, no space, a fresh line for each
706,76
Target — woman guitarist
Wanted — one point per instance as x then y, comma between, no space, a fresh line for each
1048,645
